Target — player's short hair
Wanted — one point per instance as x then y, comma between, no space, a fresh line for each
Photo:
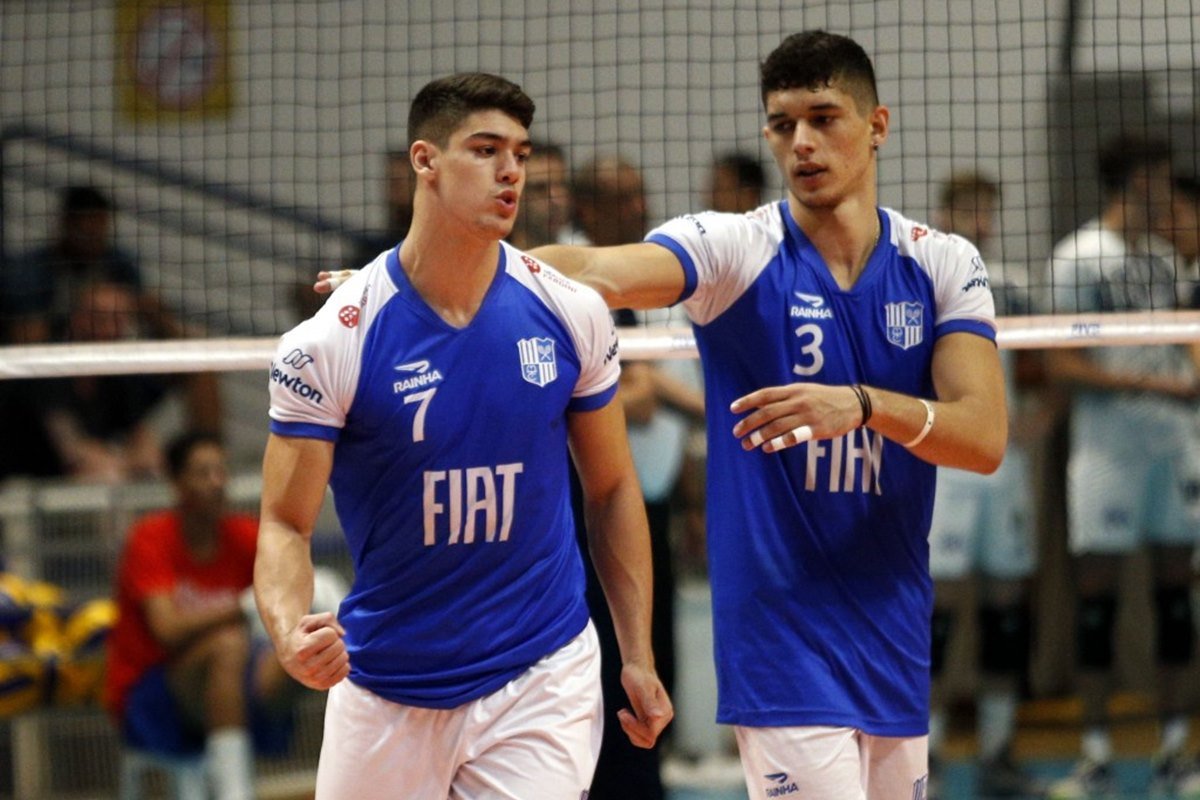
966,184
1123,156
746,167
443,104
818,60
83,199
180,449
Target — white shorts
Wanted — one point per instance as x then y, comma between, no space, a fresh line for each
983,523
537,736
818,763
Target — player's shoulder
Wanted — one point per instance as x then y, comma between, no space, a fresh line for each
349,310
550,286
922,241
765,222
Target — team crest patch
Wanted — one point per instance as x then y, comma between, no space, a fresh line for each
538,363
905,324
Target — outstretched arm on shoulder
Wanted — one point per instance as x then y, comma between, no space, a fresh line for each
640,275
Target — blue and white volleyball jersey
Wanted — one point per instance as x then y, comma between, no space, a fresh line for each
819,553
450,469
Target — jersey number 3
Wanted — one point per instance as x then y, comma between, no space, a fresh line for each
811,337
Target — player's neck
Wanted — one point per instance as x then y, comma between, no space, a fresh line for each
451,270
845,235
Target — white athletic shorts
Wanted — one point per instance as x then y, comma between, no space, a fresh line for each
983,523
817,763
538,736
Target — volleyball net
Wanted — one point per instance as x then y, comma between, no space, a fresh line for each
243,146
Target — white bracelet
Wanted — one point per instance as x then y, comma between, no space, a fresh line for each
929,416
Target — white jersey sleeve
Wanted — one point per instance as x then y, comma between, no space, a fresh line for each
960,278
722,255
315,371
584,314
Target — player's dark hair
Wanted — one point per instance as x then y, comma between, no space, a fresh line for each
443,104
83,199
967,185
817,60
1122,157
747,168
180,449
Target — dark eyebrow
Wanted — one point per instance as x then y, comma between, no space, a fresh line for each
818,108
498,139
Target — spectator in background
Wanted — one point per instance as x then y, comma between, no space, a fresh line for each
982,524
184,676
83,287
1131,422
1175,238
545,214
611,209
735,184
87,427
41,289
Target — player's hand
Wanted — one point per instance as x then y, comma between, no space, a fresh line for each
327,281
779,417
652,708
314,652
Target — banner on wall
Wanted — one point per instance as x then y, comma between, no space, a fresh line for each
173,59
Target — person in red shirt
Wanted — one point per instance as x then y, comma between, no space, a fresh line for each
181,663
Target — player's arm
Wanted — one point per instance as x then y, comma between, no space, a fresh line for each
969,418
627,276
619,543
310,647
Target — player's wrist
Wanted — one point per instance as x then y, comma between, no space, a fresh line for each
864,403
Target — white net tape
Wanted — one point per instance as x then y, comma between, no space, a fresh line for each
253,353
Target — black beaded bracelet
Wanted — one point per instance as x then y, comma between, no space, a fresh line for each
864,402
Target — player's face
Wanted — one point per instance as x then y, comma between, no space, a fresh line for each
824,145
480,172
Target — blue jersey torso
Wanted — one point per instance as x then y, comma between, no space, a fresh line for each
450,472
819,553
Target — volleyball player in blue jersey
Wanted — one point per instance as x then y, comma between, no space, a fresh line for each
437,393
875,339
846,351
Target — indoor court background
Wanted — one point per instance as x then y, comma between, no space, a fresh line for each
243,143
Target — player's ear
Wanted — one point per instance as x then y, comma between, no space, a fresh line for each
879,126
422,154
